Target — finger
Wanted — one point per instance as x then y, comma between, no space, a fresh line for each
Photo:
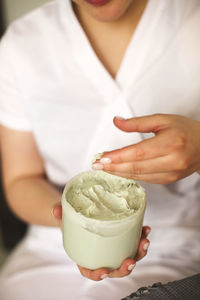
152,123
57,211
129,264
125,269
142,249
95,275
151,166
156,146
158,178
144,243
145,231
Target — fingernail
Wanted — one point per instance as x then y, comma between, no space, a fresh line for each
146,246
131,267
104,276
97,167
148,232
105,160
119,118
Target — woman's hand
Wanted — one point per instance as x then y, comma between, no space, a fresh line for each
126,267
57,213
172,154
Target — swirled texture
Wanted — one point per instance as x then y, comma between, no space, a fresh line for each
103,196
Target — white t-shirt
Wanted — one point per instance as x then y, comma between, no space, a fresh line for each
52,83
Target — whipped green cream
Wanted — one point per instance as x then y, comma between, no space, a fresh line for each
103,196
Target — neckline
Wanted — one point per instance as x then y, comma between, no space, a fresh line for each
138,48
92,66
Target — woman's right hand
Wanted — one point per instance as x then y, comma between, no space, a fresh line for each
128,264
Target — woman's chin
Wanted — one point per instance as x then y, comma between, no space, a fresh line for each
109,11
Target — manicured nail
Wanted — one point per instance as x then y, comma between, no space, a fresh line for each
119,118
131,267
104,276
148,232
97,167
105,160
146,246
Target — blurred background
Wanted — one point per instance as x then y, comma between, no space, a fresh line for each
13,9
11,229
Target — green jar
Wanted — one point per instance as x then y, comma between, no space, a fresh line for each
102,217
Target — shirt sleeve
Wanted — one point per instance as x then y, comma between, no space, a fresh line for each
12,110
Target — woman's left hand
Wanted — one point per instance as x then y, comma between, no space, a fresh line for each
172,154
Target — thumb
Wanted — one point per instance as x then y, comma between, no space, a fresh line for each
57,211
150,123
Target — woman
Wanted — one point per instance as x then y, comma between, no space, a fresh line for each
66,70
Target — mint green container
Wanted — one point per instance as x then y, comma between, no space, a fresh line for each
95,243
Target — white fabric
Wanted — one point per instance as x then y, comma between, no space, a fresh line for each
52,83
40,269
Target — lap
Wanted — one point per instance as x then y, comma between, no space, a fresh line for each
40,269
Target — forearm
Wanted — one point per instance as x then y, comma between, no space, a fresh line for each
32,200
